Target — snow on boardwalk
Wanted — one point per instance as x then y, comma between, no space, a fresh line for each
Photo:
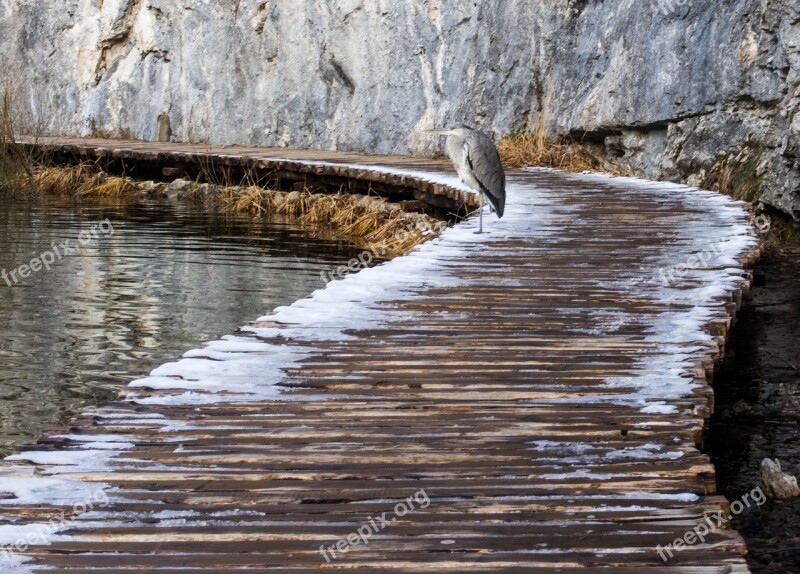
527,400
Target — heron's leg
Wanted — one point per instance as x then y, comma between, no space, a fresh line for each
480,216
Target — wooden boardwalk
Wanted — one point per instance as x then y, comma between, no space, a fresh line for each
534,397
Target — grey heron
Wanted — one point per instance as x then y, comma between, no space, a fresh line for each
478,164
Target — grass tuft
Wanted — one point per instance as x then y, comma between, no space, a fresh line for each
737,175
15,165
371,222
61,181
783,232
107,186
527,149
81,180
252,201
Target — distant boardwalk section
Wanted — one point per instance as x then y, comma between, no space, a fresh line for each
527,400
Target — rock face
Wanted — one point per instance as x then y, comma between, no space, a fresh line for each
687,90
778,484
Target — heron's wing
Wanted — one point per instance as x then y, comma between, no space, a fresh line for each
484,161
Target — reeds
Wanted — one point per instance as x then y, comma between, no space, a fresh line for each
527,149
105,185
60,181
251,200
82,180
783,233
24,172
370,221
14,164
738,176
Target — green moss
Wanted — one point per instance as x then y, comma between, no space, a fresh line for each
746,184
738,174
784,232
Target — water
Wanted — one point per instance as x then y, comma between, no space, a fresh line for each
758,411
169,278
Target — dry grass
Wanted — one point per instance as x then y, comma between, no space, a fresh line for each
252,201
783,233
82,180
24,173
323,209
737,176
294,204
107,186
539,149
15,165
370,221
60,181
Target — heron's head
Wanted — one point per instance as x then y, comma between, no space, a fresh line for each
458,129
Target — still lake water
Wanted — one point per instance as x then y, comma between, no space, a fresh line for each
169,278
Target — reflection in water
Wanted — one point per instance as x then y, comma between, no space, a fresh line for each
170,278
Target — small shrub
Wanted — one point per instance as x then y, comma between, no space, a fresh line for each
538,149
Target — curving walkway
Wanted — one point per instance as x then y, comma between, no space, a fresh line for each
527,400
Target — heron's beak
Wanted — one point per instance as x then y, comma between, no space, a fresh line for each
437,132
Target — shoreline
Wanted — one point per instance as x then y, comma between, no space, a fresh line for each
759,408
383,228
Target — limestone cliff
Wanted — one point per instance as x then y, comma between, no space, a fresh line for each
687,90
